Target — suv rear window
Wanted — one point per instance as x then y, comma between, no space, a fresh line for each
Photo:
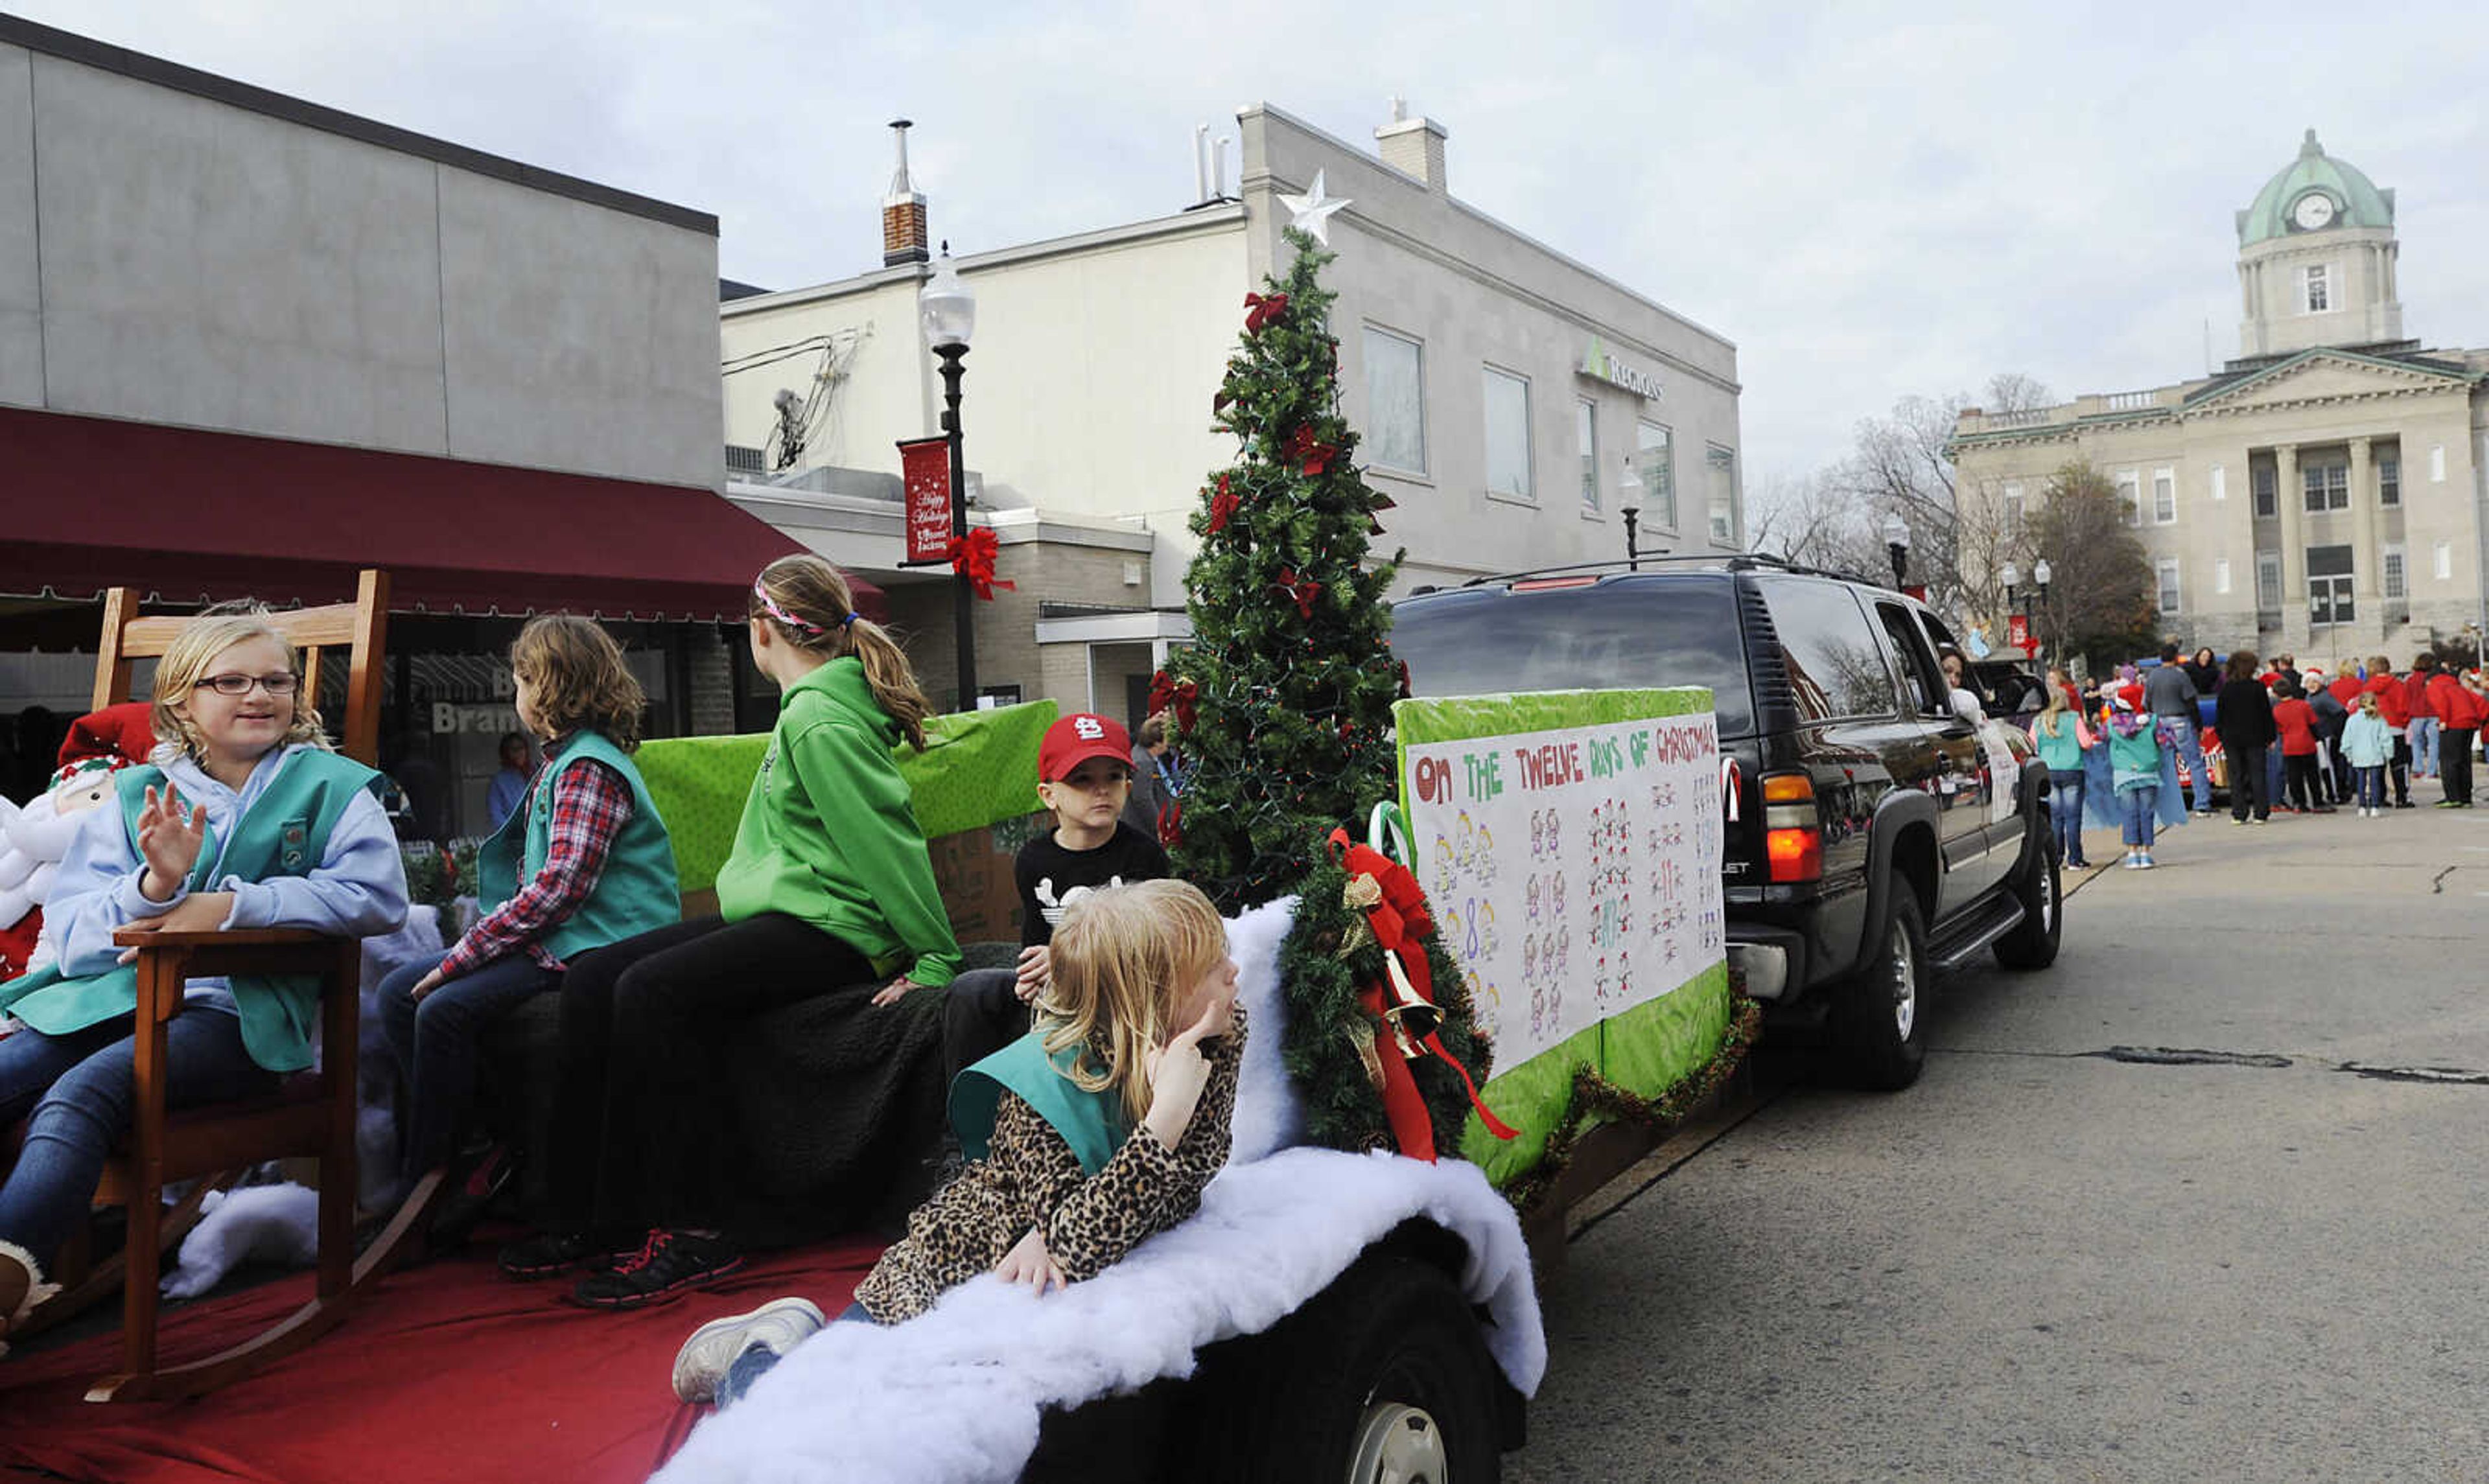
1623,633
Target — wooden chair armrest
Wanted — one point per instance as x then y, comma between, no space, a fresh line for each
228,937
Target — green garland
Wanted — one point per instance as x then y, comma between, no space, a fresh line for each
1342,1109
1595,1100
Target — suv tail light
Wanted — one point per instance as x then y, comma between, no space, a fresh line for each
1793,831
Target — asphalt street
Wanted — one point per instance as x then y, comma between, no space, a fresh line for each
2066,1254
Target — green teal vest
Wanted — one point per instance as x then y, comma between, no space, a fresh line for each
1091,1123
285,833
634,892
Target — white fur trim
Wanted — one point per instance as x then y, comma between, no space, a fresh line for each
954,1396
37,1290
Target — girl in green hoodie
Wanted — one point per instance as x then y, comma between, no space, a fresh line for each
828,888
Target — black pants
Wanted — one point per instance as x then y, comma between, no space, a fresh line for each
2343,771
981,1014
2306,792
2398,769
634,1124
2251,785
2454,763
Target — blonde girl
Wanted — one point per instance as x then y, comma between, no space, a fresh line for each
828,890
245,818
2368,745
1096,1130
582,861
2060,736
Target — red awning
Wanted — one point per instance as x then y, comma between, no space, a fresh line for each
88,503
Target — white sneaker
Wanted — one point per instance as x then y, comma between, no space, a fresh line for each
780,1326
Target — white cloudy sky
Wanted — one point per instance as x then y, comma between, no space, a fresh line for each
1871,200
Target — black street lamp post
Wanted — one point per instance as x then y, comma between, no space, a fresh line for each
949,313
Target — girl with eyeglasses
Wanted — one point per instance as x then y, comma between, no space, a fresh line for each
245,818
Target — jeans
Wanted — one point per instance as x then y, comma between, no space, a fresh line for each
2137,805
982,1013
434,1042
2188,735
757,1360
631,1145
2372,787
2065,814
2454,763
82,1088
2422,737
2251,785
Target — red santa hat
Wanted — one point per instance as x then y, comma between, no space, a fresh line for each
120,735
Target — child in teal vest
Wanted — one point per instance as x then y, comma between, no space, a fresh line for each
245,820
2135,773
1092,1133
828,890
2060,737
584,861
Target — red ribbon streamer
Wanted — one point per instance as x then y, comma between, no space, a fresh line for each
972,557
1264,311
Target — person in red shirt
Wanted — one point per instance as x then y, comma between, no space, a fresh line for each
2458,715
2425,720
2394,705
2296,721
2346,689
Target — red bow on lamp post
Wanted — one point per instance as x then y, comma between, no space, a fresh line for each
972,557
1402,1003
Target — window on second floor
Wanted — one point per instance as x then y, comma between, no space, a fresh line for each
2390,480
2268,500
2012,504
2327,485
1720,470
1395,401
2130,496
2164,496
1507,436
1655,464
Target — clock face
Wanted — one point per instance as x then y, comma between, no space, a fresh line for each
2314,211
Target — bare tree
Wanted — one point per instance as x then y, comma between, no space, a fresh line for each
1815,521
2099,582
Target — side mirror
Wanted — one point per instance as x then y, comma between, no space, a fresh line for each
1965,705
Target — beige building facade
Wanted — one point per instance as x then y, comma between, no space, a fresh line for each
2323,494
1510,400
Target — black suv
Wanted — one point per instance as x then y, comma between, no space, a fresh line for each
1876,823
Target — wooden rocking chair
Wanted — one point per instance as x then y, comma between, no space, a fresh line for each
311,1115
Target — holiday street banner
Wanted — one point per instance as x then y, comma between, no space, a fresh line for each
1569,842
925,464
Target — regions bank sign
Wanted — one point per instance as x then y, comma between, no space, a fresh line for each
1597,362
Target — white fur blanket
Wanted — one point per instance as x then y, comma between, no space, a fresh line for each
955,1395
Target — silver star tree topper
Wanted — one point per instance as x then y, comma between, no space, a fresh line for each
1311,211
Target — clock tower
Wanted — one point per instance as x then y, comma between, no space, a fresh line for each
2316,259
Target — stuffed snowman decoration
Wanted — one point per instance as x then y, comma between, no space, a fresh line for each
36,838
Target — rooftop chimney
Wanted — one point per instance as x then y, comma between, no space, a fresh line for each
1414,147
902,211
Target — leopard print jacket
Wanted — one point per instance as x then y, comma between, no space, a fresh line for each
1030,1178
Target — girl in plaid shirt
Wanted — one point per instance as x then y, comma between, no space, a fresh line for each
583,861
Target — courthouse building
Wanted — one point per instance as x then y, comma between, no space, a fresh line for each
1502,390
2323,494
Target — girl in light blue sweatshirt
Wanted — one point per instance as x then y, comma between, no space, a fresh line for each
2367,743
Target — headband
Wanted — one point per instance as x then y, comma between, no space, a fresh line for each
789,619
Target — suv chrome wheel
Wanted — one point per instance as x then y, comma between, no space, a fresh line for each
1398,1445
1902,968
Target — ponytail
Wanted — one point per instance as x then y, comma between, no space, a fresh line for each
810,604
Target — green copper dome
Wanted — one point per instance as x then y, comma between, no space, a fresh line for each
2356,202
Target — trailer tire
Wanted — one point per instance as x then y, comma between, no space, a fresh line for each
1383,1375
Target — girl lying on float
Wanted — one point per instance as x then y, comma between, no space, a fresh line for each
1105,1230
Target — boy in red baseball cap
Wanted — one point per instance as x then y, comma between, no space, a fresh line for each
1084,769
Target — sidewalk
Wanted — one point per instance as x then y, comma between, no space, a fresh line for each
2422,840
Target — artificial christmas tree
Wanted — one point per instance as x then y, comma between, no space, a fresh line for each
1282,706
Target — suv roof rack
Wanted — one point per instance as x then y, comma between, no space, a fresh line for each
1731,561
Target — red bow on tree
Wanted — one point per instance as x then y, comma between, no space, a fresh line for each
1305,590
972,557
1223,510
1311,451
1182,696
1264,311
1403,1000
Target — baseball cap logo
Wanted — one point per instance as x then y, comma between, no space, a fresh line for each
1088,728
